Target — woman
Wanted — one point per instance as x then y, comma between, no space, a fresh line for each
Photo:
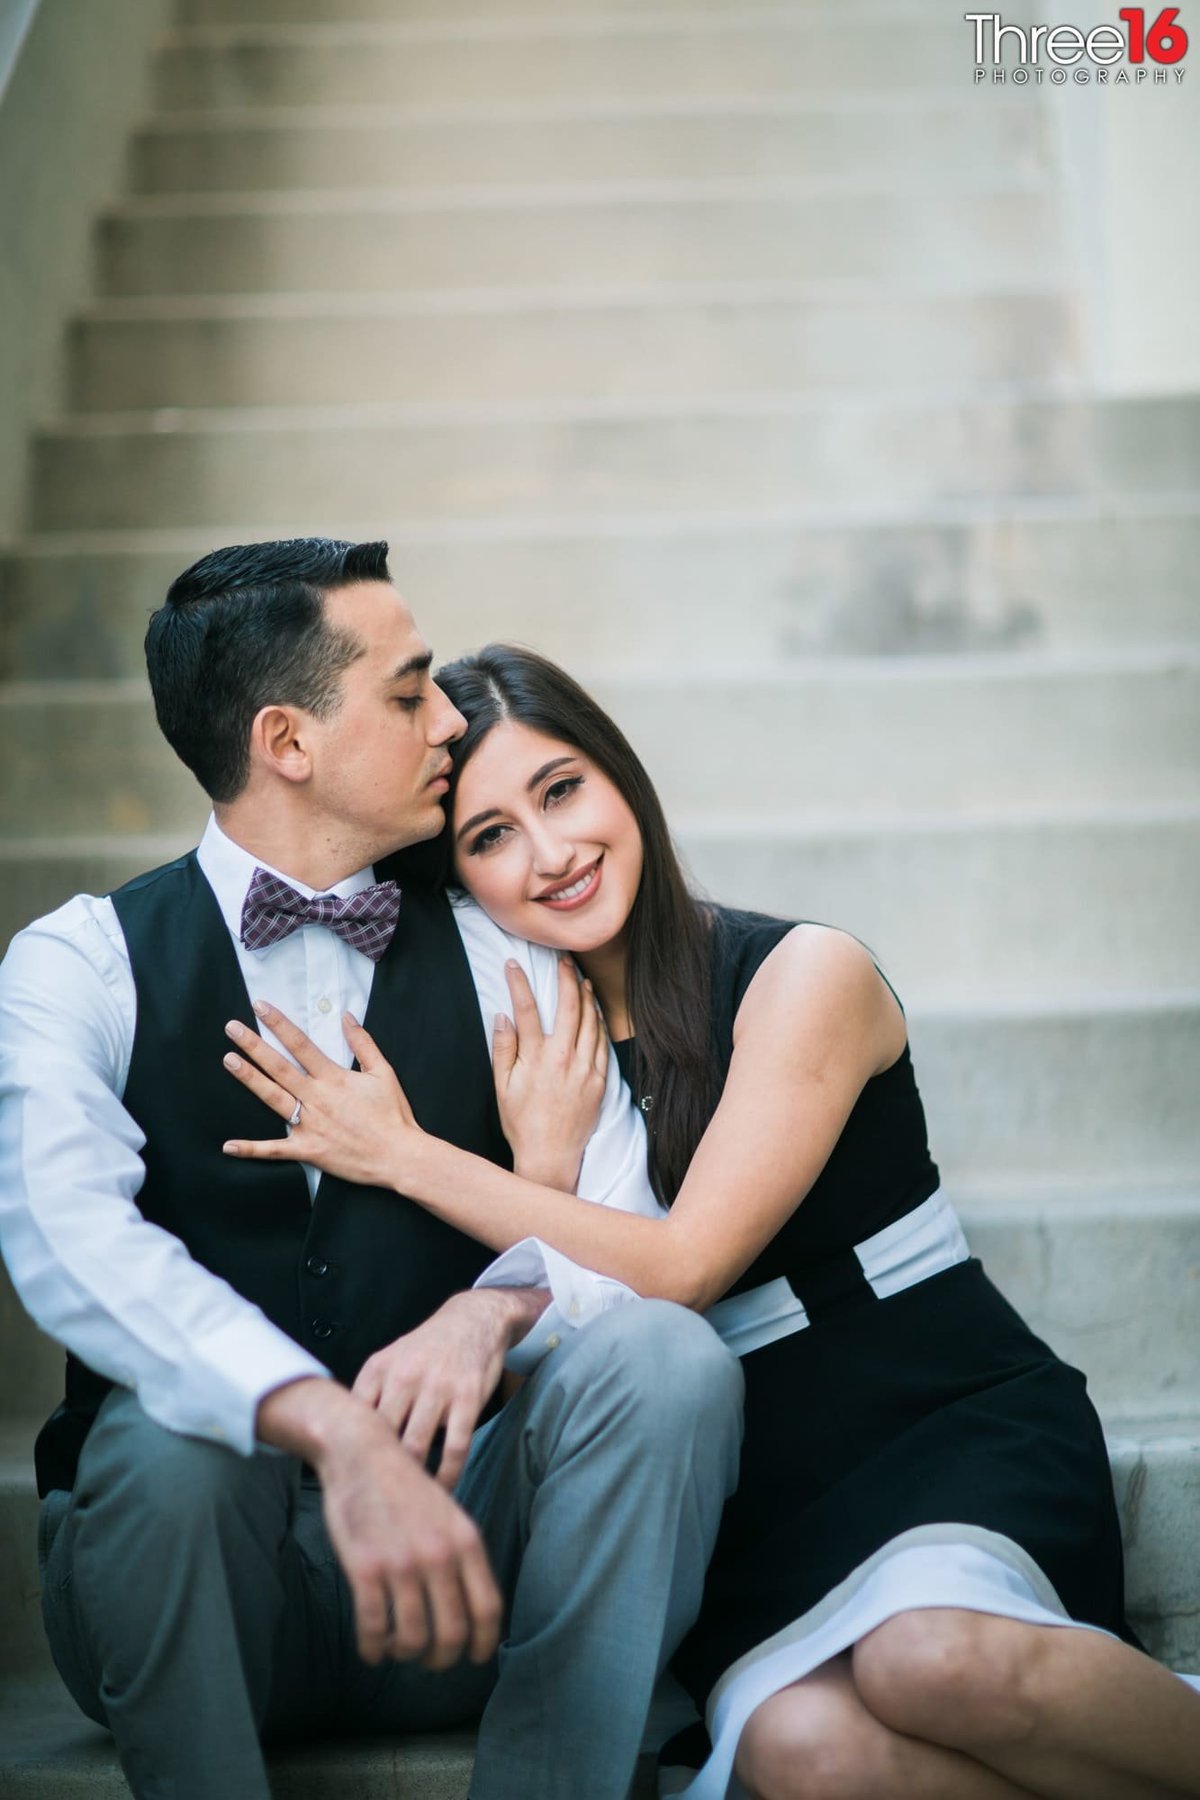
918,1585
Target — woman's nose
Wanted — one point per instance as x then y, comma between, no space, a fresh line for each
552,857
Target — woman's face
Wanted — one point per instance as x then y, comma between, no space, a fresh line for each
544,841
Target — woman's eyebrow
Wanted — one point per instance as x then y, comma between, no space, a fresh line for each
493,812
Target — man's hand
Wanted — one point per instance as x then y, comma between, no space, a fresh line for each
442,1375
415,1562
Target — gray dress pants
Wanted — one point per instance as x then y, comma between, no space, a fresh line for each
194,1605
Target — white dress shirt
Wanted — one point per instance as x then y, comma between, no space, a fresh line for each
125,1295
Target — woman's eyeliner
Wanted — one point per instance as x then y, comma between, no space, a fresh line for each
555,794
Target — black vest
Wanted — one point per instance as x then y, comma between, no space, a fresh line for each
357,1267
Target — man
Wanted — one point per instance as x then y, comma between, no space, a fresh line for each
199,1591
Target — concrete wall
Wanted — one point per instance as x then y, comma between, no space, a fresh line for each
79,81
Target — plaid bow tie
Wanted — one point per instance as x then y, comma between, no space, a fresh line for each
273,910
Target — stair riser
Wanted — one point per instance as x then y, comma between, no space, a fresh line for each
1098,1097
856,746
1070,908
1158,1487
837,453
439,12
666,600
1060,908
1113,1292
887,149
972,245
688,349
831,744
730,59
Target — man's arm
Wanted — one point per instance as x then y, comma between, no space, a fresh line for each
127,1298
121,1293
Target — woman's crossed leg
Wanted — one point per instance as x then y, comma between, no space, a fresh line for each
951,1705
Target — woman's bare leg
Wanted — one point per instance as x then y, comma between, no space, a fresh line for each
1058,1712
816,1740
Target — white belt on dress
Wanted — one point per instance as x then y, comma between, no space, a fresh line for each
924,1242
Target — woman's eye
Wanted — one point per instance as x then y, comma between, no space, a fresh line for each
558,791
409,702
487,839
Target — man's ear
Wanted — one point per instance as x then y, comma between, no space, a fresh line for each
280,743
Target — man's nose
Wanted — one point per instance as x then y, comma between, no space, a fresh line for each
447,724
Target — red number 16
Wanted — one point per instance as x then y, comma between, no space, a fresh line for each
1167,40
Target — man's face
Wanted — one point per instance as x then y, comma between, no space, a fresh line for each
380,761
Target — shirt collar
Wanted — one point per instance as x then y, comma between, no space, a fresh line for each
229,870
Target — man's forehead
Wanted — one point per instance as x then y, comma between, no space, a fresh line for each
377,614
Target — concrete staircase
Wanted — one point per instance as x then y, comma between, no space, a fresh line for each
741,369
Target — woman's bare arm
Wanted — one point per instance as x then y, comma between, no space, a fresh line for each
816,1023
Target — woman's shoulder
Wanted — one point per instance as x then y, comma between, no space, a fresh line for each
743,940
804,964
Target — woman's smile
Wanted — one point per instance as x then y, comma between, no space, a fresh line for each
582,887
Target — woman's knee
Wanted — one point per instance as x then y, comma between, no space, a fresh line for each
953,1677
812,1742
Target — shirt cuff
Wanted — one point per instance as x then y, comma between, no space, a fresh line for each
576,1296
235,1367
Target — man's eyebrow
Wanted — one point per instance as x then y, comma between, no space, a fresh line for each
415,665
535,780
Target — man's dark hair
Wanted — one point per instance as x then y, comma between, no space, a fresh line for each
245,628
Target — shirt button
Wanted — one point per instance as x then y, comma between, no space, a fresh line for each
324,1004
553,1341
323,1328
316,1265
573,1309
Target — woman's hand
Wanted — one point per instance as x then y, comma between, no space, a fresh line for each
352,1123
549,1085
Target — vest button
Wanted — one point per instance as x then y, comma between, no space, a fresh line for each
316,1265
323,1328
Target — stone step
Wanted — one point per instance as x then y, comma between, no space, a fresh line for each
647,593
365,241
280,350
300,12
184,468
50,1751
1097,903
870,742
866,740
1109,1277
1111,1280
1103,904
699,55
880,137
1096,1091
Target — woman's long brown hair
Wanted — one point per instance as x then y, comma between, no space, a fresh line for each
668,978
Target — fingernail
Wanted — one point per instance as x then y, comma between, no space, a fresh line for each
501,1021
230,1149
235,1029
263,1010
232,1062
512,963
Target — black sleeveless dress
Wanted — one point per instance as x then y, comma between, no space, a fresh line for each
934,1405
